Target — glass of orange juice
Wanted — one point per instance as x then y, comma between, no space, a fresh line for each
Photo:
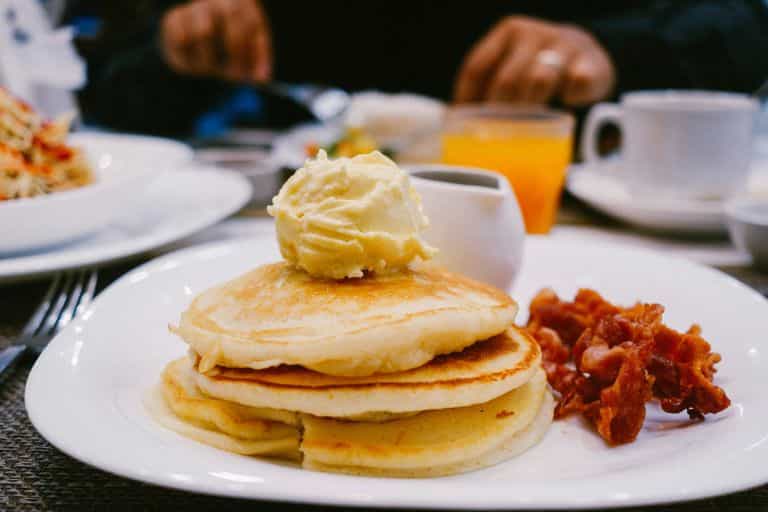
530,146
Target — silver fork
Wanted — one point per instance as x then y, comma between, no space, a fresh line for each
69,295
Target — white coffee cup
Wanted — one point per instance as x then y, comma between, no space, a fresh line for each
688,144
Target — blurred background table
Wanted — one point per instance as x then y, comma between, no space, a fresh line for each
34,475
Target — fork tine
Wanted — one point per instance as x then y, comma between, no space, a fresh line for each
38,316
52,318
80,296
89,291
73,298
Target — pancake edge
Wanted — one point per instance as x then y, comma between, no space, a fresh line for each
509,448
394,397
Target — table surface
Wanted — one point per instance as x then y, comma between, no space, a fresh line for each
34,475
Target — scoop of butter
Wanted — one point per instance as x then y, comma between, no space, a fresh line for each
339,218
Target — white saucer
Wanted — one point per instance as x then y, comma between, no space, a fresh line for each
176,204
602,188
85,394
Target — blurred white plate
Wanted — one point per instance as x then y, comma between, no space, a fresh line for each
124,165
85,394
126,147
748,227
602,188
174,205
251,162
290,149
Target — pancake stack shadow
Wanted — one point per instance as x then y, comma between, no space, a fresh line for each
416,374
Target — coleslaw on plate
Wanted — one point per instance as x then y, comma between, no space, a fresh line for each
34,157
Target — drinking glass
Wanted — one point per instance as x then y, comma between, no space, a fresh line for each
531,147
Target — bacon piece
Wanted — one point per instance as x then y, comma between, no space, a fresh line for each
555,355
567,319
619,414
606,362
686,366
612,356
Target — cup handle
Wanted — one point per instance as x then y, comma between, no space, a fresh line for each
598,115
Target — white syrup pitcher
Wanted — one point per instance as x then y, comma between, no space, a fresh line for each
475,221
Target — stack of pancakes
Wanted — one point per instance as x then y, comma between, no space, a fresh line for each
419,373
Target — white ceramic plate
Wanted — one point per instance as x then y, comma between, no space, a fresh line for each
289,149
174,205
85,394
124,165
602,188
126,147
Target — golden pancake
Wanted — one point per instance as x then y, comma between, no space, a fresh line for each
278,315
247,430
432,443
286,448
426,444
479,373
508,449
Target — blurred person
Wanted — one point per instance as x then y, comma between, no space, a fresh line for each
182,58
570,53
228,39
718,44
530,61
157,66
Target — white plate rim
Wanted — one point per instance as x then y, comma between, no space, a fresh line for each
120,250
655,205
184,150
312,496
287,149
662,215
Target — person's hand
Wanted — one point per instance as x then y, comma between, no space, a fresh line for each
523,60
225,38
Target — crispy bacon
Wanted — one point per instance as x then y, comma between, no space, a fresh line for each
607,362
568,319
619,413
555,355
686,366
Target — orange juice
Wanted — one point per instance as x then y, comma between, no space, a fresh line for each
532,153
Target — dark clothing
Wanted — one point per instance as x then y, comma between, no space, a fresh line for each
130,87
416,46
721,45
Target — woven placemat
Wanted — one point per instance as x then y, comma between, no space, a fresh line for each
36,476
